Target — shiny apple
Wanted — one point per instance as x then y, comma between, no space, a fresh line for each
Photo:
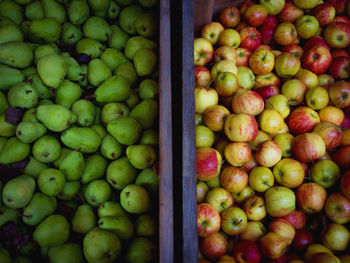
268,154
307,26
250,38
280,201
226,83
219,198
208,220
308,147
262,62
285,34
289,173
290,13
331,114
325,173
337,208
208,163
317,59
249,102
261,178
237,153
234,179
324,13
317,98
241,127
214,117
230,16
294,90
311,197
337,35
255,15
246,77
213,246
287,65
303,120
234,221
247,251
202,76
203,51
339,94
279,103
302,239
271,121
336,237
331,134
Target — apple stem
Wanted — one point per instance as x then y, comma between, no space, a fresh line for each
208,86
252,147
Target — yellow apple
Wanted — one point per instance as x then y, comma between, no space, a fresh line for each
285,141
260,137
204,98
243,195
317,98
279,103
309,78
223,66
271,121
261,179
289,173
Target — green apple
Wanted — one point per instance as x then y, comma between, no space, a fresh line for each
279,103
306,4
243,195
280,201
325,173
246,78
285,141
204,136
219,198
260,137
233,221
289,173
261,179
294,90
317,98
307,26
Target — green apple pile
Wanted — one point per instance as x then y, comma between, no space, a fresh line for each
78,130
272,102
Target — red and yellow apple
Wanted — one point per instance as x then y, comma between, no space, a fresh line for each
230,16
208,163
272,245
249,102
287,65
241,127
308,147
311,197
280,201
208,220
289,173
203,52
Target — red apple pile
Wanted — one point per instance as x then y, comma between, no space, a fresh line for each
272,102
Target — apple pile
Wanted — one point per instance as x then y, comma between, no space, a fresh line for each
272,101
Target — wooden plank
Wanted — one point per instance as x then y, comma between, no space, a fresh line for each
202,14
166,215
189,199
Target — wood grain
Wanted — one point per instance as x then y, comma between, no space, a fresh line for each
166,215
189,198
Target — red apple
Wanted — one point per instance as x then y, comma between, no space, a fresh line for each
241,127
315,42
311,197
208,220
268,91
285,34
268,154
237,153
234,179
302,239
242,25
246,251
203,52
249,164
234,221
339,53
225,53
248,102
340,67
337,208
214,117
331,134
308,147
262,61
297,219
268,28
213,246
290,13
283,228
343,19
339,94
337,35
245,5
208,163
202,76
230,16
255,15
250,38
254,207
339,5
342,157
211,31
265,47
331,114
294,49
324,13
302,120
317,59
272,245
345,184
243,55
345,124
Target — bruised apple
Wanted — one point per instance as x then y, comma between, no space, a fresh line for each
241,127
208,163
